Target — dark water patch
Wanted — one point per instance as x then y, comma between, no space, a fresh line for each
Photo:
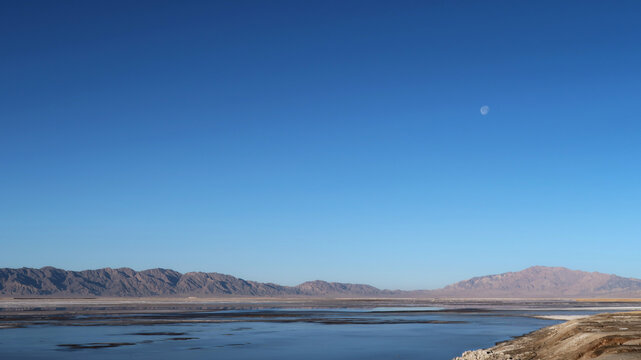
241,328
383,322
182,317
364,321
228,345
94,345
182,338
158,333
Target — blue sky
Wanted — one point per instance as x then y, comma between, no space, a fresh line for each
338,140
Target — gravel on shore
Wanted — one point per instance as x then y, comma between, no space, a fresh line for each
604,337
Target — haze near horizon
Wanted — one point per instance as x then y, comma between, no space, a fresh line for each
406,145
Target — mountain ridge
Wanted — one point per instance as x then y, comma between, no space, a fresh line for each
126,282
545,281
533,282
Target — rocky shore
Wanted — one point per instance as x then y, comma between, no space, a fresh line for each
603,337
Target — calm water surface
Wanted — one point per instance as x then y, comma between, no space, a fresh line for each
380,333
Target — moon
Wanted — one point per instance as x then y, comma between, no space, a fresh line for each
485,110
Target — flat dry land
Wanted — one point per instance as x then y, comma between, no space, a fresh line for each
10,305
16,312
603,337
610,300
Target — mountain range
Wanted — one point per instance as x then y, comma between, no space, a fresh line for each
533,282
542,281
126,282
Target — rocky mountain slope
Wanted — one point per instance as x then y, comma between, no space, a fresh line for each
49,281
541,281
533,282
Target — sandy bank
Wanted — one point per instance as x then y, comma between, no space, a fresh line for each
602,337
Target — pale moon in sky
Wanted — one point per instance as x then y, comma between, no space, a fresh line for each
485,110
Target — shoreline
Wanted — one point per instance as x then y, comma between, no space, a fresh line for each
609,336
23,312
612,335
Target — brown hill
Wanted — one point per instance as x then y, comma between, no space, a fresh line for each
541,281
50,281
324,288
534,282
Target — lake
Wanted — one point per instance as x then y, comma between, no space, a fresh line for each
283,334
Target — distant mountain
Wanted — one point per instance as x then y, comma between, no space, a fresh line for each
542,281
323,288
533,282
125,282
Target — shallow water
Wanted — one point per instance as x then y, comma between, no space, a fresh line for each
380,333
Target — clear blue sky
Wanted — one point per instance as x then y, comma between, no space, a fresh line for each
337,140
